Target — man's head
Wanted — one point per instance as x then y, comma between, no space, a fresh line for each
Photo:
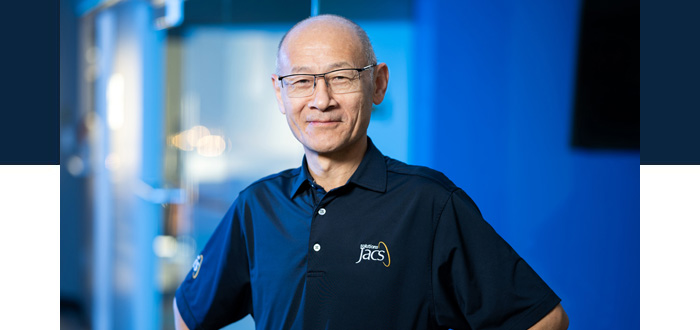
367,49
327,120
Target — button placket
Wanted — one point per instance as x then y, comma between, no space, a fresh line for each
319,224
317,246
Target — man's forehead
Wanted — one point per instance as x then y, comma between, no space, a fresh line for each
312,48
330,38
323,25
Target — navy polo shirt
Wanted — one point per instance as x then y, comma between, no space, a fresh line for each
397,247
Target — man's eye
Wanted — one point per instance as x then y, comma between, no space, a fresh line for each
341,78
301,82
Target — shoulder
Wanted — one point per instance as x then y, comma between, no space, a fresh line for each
422,176
281,181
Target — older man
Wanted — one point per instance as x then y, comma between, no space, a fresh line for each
353,239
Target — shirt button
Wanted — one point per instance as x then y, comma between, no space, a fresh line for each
317,247
321,211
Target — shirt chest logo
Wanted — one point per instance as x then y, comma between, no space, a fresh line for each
378,253
197,265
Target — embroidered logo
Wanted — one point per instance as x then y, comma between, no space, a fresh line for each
379,252
197,265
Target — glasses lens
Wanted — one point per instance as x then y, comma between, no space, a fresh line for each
299,86
343,81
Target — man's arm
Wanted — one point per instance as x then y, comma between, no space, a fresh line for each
179,322
555,320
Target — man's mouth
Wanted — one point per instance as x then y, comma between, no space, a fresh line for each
322,122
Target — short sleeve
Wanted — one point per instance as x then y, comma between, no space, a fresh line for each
478,280
216,291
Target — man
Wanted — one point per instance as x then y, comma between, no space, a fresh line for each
353,239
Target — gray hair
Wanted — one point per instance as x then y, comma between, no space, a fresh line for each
359,32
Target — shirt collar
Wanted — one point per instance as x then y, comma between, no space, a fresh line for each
371,173
302,179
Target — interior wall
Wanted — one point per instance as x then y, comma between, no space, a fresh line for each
498,108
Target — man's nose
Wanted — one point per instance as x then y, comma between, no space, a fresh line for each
321,99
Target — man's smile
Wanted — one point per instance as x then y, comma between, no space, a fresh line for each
323,122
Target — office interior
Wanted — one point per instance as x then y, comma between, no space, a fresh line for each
167,111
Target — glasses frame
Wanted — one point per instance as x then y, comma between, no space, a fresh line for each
316,75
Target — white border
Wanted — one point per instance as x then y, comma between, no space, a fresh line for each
30,245
670,246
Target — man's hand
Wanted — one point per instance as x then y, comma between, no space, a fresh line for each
555,320
179,322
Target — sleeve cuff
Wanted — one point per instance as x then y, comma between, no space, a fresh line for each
545,305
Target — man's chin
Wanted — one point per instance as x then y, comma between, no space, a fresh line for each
322,149
330,148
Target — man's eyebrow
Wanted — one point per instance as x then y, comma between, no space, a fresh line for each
338,65
298,69
330,67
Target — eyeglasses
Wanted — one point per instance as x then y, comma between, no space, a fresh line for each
339,81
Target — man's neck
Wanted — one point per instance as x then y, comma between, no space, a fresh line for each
333,170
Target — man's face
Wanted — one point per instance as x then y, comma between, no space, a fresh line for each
325,122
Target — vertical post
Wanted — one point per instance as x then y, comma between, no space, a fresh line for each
315,4
128,153
105,35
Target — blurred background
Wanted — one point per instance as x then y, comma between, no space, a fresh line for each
167,112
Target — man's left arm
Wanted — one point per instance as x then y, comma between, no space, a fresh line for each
480,281
554,320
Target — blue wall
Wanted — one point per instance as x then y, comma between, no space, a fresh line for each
494,113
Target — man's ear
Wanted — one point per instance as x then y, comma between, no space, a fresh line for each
381,81
276,85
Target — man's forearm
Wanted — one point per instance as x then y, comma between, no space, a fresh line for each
179,322
555,320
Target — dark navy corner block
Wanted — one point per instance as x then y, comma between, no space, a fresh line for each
29,115
669,68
